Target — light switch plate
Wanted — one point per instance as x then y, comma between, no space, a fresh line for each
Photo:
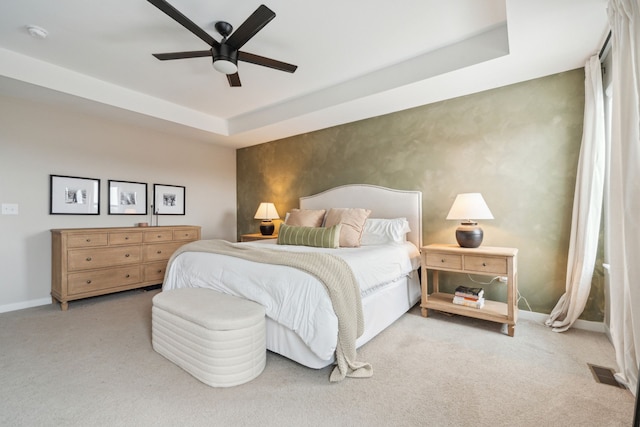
9,209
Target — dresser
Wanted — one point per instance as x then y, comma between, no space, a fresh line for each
87,262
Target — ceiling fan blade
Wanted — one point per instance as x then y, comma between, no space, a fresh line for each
266,62
177,16
254,23
234,80
182,55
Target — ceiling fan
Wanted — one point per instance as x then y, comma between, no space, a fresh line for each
225,53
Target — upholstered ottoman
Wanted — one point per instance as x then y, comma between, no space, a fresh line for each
218,338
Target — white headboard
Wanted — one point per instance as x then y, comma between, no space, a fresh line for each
383,203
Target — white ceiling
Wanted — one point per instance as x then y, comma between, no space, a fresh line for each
356,59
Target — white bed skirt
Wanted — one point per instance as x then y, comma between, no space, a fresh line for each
380,310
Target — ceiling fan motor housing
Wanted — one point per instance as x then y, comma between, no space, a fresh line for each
224,56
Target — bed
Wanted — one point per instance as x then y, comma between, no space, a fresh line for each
302,326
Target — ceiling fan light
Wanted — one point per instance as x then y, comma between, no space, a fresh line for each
225,59
225,66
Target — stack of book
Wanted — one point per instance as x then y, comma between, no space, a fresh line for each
469,297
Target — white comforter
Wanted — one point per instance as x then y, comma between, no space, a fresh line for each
291,297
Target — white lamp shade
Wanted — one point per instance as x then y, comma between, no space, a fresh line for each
469,206
266,211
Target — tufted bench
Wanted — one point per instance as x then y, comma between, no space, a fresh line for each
217,338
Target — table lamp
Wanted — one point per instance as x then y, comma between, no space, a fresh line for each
266,212
469,207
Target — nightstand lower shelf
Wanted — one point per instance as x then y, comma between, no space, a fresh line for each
493,311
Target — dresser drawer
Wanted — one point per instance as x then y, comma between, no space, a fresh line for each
84,259
125,238
158,236
90,281
443,260
155,271
86,240
186,234
161,251
485,264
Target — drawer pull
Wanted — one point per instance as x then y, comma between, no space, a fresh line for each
88,258
484,264
126,255
159,252
126,238
159,236
88,240
442,260
160,271
88,282
127,276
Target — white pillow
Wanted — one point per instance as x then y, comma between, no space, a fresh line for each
384,231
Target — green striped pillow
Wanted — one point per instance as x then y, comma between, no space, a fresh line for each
319,237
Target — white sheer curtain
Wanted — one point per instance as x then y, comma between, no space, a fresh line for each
622,232
587,205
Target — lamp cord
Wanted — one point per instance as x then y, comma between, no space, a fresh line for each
520,296
483,283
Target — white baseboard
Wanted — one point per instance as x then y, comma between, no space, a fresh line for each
25,304
586,325
522,314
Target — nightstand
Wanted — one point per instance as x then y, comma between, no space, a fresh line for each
484,260
256,236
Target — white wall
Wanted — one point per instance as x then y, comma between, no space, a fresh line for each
37,140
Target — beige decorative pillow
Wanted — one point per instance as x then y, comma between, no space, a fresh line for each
352,220
305,217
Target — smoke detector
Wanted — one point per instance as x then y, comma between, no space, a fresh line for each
37,32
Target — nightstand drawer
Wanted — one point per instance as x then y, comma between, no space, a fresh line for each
442,260
485,264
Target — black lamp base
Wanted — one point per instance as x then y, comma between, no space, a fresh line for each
267,228
469,235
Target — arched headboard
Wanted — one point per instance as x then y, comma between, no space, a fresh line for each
383,203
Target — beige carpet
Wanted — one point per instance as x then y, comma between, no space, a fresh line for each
94,366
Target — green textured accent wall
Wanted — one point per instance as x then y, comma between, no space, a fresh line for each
518,145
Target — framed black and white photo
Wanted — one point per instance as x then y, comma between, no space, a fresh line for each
168,199
72,195
127,198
